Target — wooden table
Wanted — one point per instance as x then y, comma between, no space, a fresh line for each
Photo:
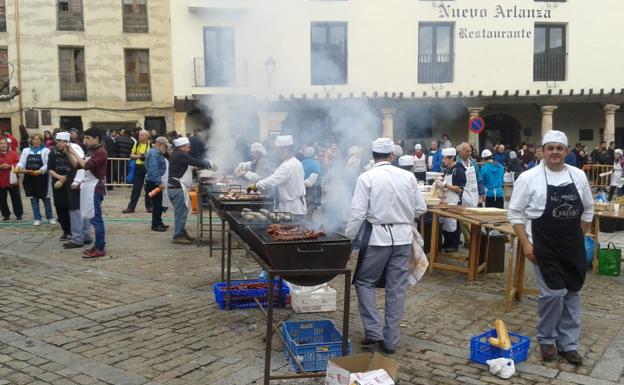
476,221
516,263
596,230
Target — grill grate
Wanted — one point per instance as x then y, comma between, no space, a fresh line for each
266,238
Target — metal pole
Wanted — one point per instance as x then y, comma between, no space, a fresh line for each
18,56
269,332
347,309
229,268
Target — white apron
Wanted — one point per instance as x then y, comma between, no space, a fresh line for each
470,198
452,199
616,178
186,182
166,202
87,191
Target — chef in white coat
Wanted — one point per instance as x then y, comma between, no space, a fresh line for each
387,201
473,193
551,209
287,179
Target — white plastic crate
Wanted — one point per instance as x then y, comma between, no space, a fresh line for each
307,300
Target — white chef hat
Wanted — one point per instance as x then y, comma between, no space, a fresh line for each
383,146
181,141
486,153
63,136
451,151
406,160
257,147
418,147
619,151
284,141
309,152
397,151
555,136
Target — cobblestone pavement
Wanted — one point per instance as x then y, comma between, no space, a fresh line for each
146,315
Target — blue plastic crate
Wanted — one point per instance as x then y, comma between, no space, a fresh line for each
481,350
313,342
244,299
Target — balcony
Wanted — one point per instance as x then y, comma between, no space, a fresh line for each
219,5
138,92
133,23
69,22
224,81
73,91
549,67
435,68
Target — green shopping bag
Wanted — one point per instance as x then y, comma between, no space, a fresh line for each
609,260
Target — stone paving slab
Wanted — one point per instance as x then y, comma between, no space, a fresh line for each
146,315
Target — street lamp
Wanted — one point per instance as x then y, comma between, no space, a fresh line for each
269,68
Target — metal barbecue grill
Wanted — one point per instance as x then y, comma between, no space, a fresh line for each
330,251
222,204
239,224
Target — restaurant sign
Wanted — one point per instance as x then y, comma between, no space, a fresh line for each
499,12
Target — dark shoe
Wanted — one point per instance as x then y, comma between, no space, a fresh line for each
65,237
549,352
181,241
188,237
94,254
88,241
164,225
385,350
368,342
71,245
160,229
572,357
6,219
127,211
19,218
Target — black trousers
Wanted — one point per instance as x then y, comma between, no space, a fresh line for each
62,212
137,187
157,208
498,202
16,202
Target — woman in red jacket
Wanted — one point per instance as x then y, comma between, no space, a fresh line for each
8,160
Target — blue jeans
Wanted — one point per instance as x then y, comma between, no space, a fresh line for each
180,211
47,205
97,222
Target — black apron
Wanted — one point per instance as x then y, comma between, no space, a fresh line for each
65,196
35,186
558,242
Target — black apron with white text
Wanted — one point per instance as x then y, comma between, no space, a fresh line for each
558,243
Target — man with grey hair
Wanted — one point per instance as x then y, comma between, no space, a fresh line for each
138,154
156,166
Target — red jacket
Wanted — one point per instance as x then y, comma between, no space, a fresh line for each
10,158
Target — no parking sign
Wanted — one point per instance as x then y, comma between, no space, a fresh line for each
476,124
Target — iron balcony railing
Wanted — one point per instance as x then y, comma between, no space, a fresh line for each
549,66
73,91
138,92
70,22
222,77
135,23
436,68
328,69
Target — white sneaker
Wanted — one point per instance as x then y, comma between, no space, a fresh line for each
52,221
36,222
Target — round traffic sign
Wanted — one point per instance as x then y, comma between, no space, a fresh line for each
476,124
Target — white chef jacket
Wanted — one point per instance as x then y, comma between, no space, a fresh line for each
616,177
528,199
288,180
420,164
386,195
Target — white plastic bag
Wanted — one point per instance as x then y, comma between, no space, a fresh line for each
12,178
418,262
502,367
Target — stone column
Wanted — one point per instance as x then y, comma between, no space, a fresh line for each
271,121
609,126
180,123
473,137
547,118
388,122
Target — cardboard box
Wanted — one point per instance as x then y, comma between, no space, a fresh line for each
339,369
